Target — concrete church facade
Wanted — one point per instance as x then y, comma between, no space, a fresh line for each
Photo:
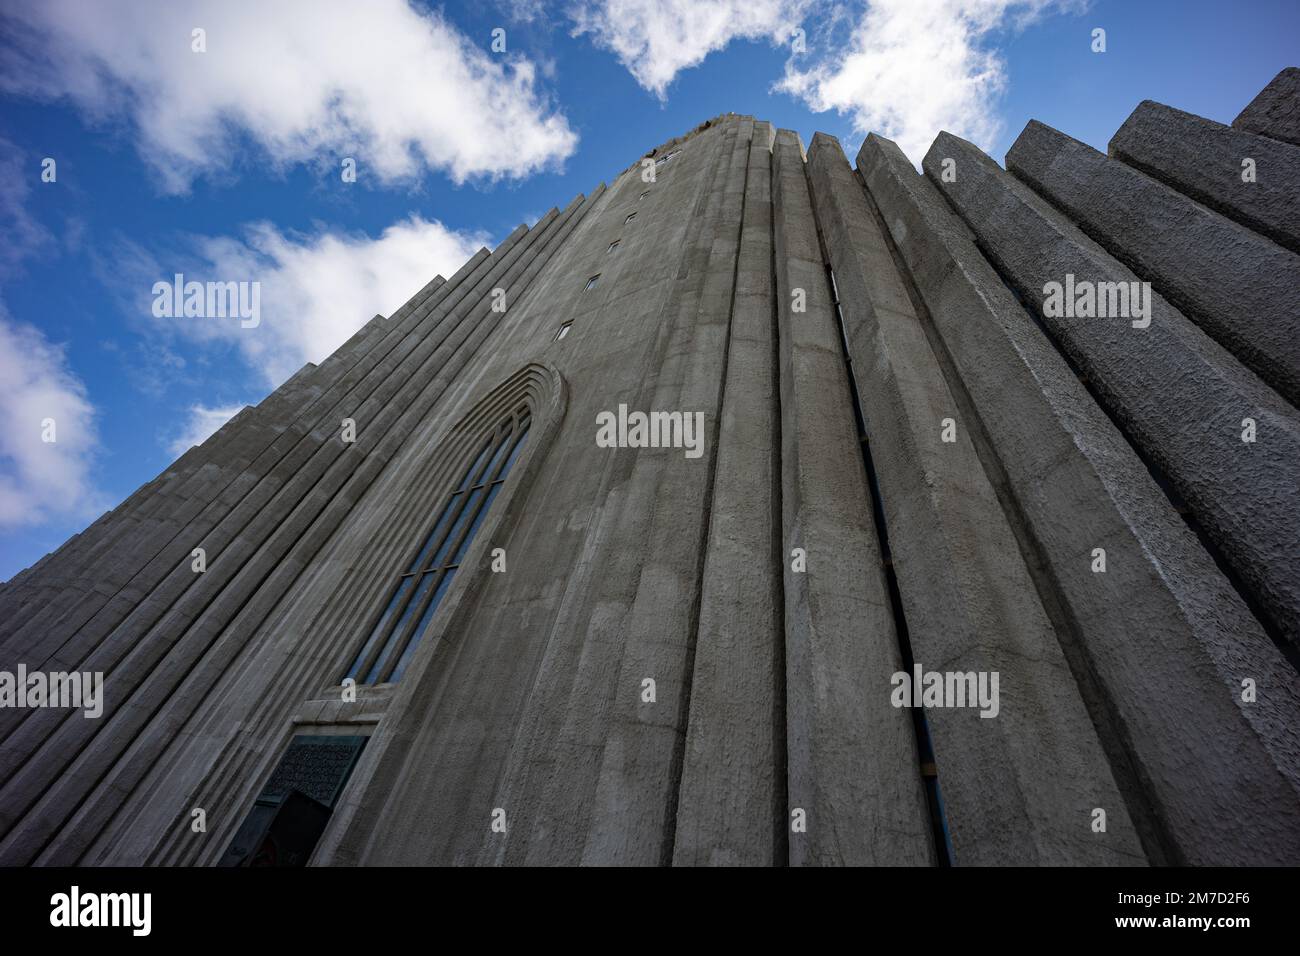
413,609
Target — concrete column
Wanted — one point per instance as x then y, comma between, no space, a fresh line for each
1275,112
1159,643
731,802
632,818
1019,786
852,766
1207,160
1241,288
1179,396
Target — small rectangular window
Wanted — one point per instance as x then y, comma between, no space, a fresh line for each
630,217
613,245
643,195
564,330
591,283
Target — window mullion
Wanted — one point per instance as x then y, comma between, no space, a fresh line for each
408,629
381,641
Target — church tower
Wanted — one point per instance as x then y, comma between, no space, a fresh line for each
762,507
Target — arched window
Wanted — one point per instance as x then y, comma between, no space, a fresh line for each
421,587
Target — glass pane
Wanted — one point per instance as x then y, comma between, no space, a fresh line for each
491,470
418,635
435,536
466,513
381,661
381,628
473,528
514,452
472,472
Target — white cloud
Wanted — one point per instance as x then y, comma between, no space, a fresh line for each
656,39
316,290
309,81
915,67
39,479
24,236
203,421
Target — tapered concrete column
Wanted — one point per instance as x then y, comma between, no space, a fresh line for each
731,802
853,774
1275,112
1241,288
1020,778
640,763
1252,179
1159,643
1183,399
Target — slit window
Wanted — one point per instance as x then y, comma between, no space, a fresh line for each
564,330
591,283
630,217
613,246
419,589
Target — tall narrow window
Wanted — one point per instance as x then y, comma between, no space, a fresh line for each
564,330
591,283
419,589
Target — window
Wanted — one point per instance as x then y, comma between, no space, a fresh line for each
643,195
662,160
613,245
421,587
630,217
591,283
564,330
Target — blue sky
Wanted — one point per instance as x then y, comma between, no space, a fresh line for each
225,164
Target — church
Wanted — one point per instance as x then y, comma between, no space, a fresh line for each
412,610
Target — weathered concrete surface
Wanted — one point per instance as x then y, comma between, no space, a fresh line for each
525,703
1205,160
1243,289
1019,786
1162,615
633,817
852,758
1275,112
258,565
731,802
1180,396
560,656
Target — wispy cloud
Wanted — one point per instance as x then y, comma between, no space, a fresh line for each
199,426
911,68
398,88
42,398
24,236
903,68
315,289
657,39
